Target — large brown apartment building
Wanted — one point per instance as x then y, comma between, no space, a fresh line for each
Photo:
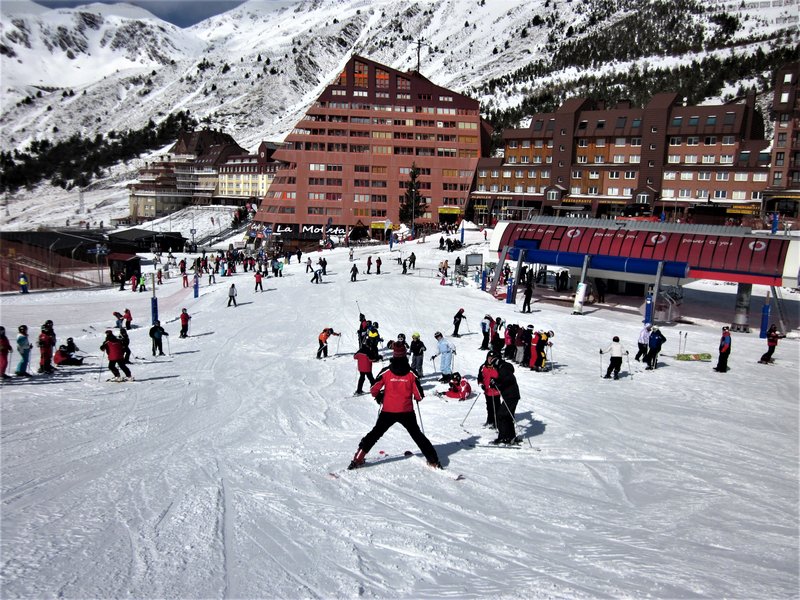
594,161
783,191
349,158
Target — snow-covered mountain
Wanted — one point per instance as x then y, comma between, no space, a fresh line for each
254,70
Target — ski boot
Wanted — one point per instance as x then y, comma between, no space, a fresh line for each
358,460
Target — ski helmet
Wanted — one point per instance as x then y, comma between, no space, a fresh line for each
550,334
438,334
401,337
2,330
415,336
22,328
616,338
109,332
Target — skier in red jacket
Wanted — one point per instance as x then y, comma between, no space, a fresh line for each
365,358
45,344
116,356
185,318
398,386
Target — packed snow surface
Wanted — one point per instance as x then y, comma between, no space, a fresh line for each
208,476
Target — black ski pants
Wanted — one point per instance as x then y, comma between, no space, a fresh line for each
506,426
642,353
615,364
113,364
407,420
362,377
722,361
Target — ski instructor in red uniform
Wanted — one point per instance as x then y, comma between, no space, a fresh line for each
399,386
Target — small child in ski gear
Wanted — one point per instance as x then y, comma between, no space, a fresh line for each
724,350
64,357
616,350
446,350
24,349
417,348
773,335
157,333
71,347
118,316
45,343
128,318
323,341
353,272
365,360
5,350
459,388
185,318
459,316
113,347
487,378
400,387
232,293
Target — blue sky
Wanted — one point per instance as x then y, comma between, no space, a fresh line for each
182,13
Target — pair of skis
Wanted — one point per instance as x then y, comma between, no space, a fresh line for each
383,456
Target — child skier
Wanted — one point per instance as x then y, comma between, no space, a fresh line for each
616,350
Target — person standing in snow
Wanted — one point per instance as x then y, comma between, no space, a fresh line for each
232,293
5,351
353,272
112,346
412,261
119,318
317,276
724,350
457,318
365,359
185,317
309,267
643,342
539,354
486,329
527,295
323,341
369,264
773,335
395,389
126,346
506,383
45,343
259,285
616,350
487,378
24,349
446,350
157,334
128,318
654,344
23,283
417,349
378,263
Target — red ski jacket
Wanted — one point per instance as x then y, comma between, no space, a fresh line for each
114,349
398,390
364,362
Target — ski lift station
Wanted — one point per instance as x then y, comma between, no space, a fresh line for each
647,257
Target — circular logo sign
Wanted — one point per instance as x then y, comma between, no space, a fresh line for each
571,233
658,238
757,245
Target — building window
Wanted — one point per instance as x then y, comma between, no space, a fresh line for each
693,140
684,193
600,142
577,173
360,75
613,191
740,177
403,83
613,174
720,194
723,176
669,175
708,159
620,141
710,140
636,141
673,159
784,97
630,174
675,140
687,176
552,195
704,176
667,193
583,143
594,174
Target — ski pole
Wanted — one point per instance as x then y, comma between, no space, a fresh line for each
601,363
419,412
433,358
470,408
467,323
552,361
516,426
680,338
338,339
629,365
169,352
